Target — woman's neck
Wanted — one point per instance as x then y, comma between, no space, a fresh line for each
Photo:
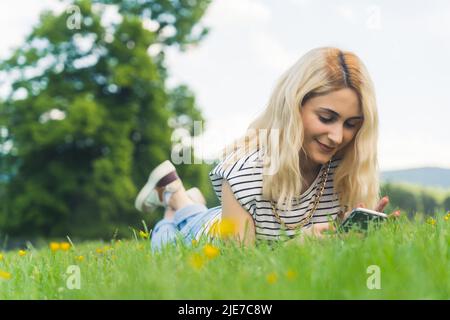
308,168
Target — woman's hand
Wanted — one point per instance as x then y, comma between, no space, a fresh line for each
315,231
319,230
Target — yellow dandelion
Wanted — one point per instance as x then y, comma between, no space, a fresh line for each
65,246
196,261
272,278
446,218
194,242
79,258
227,228
5,275
22,253
223,228
54,246
291,275
143,234
1,257
431,221
211,251
99,250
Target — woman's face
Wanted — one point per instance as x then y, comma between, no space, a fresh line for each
334,128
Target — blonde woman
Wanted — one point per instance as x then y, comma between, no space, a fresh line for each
308,159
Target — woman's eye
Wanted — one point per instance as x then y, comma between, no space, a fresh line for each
327,120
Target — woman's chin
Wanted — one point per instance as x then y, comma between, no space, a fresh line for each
321,156
323,159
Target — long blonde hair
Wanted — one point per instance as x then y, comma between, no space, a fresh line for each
318,72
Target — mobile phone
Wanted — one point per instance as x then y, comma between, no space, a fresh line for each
360,218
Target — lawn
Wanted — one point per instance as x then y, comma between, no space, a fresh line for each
404,259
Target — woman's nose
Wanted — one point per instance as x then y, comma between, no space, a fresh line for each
336,135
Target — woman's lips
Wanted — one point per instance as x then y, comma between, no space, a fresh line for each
324,147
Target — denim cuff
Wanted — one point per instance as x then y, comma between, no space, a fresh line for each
163,222
184,213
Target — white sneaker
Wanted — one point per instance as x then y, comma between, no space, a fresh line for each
163,176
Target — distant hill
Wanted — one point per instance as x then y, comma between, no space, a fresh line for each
427,177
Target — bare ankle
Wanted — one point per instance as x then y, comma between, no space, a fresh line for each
180,199
169,213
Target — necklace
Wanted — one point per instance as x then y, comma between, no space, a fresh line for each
316,203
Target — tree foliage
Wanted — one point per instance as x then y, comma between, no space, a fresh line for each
88,115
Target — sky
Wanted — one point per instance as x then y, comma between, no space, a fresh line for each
405,45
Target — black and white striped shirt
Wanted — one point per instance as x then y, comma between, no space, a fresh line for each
245,177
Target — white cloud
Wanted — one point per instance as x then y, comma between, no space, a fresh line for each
234,12
411,151
347,12
438,22
270,52
300,3
17,19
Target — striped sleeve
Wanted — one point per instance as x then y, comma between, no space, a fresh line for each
244,176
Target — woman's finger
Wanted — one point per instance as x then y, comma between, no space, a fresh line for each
319,229
394,215
382,204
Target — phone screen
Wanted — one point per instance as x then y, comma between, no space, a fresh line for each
360,220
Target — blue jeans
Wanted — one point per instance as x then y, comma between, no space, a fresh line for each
186,224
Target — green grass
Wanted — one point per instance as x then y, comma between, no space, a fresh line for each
413,257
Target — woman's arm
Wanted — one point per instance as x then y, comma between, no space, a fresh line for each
244,224
242,220
315,231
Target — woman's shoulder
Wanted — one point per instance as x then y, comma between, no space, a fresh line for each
243,174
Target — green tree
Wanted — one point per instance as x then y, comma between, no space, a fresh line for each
429,203
400,199
446,203
88,115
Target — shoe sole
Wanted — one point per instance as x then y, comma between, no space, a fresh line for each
159,172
